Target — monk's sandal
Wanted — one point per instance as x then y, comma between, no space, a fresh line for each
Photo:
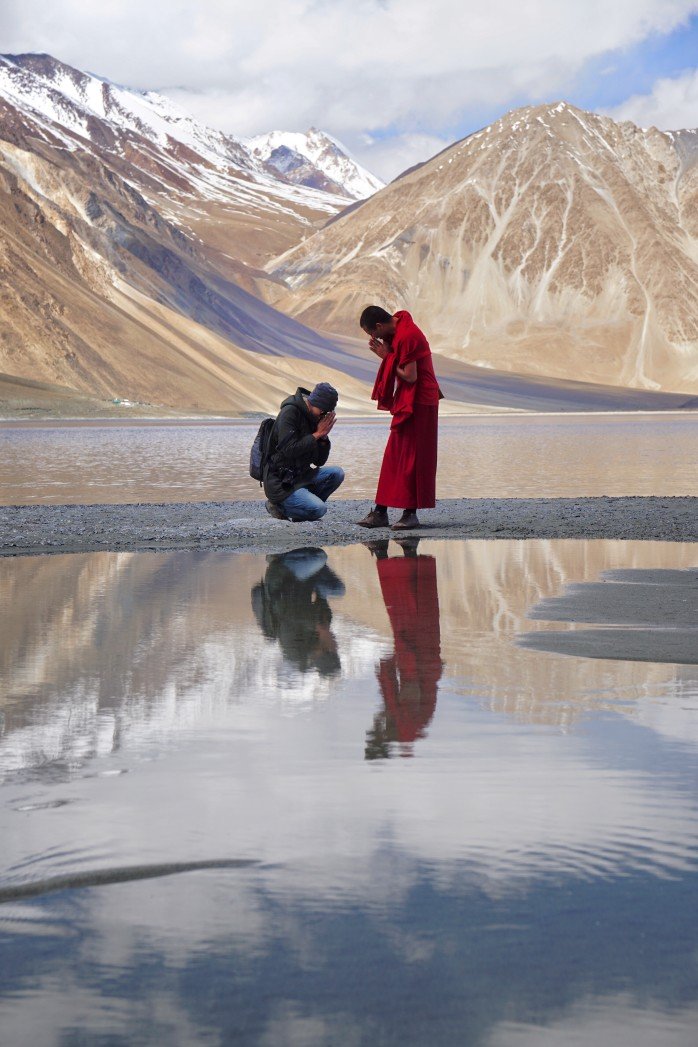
407,522
375,519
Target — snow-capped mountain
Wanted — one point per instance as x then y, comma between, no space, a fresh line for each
130,241
80,101
84,104
206,182
314,158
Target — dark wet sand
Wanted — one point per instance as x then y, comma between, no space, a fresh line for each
638,615
244,525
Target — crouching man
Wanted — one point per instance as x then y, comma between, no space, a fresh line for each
297,482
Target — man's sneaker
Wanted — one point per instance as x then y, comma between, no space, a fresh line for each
375,519
407,522
275,511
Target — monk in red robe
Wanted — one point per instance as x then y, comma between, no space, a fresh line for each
407,387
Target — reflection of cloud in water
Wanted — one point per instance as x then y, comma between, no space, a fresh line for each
560,958
194,664
493,804
604,1020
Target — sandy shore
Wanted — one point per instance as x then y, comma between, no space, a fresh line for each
247,526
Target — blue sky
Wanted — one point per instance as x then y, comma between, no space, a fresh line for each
610,79
396,80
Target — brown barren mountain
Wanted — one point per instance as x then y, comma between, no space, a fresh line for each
554,242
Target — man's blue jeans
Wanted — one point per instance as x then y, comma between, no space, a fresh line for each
308,503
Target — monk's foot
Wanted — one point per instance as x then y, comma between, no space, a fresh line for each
378,547
375,518
408,544
407,522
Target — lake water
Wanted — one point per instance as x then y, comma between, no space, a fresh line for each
351,797
522,456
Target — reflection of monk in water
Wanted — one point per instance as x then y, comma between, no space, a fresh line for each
409,677
291,606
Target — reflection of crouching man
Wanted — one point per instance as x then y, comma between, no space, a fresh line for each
297,482
291,606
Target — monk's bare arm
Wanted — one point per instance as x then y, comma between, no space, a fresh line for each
408,372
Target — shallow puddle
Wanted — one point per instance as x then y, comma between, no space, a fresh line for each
429,793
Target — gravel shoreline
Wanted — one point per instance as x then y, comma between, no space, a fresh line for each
246,526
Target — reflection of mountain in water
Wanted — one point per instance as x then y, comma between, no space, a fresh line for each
98,650
511,883
647,616
486,590
101,649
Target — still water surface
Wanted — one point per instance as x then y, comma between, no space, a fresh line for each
355,797
522,456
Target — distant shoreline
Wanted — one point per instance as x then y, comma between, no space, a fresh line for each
687,413
246,526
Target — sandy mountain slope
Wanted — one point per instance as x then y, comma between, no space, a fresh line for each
116,305
554,242
58,325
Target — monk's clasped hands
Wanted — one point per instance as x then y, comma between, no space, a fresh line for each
378,347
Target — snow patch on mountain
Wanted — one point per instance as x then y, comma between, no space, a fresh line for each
82,103
313,157
70,97
170,145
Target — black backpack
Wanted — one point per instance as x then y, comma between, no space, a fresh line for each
260,449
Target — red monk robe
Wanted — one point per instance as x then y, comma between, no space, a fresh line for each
408,474
409,677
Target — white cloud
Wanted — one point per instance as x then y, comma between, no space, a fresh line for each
350,66
671,105
390,157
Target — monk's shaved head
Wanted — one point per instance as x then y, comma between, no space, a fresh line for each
372,316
